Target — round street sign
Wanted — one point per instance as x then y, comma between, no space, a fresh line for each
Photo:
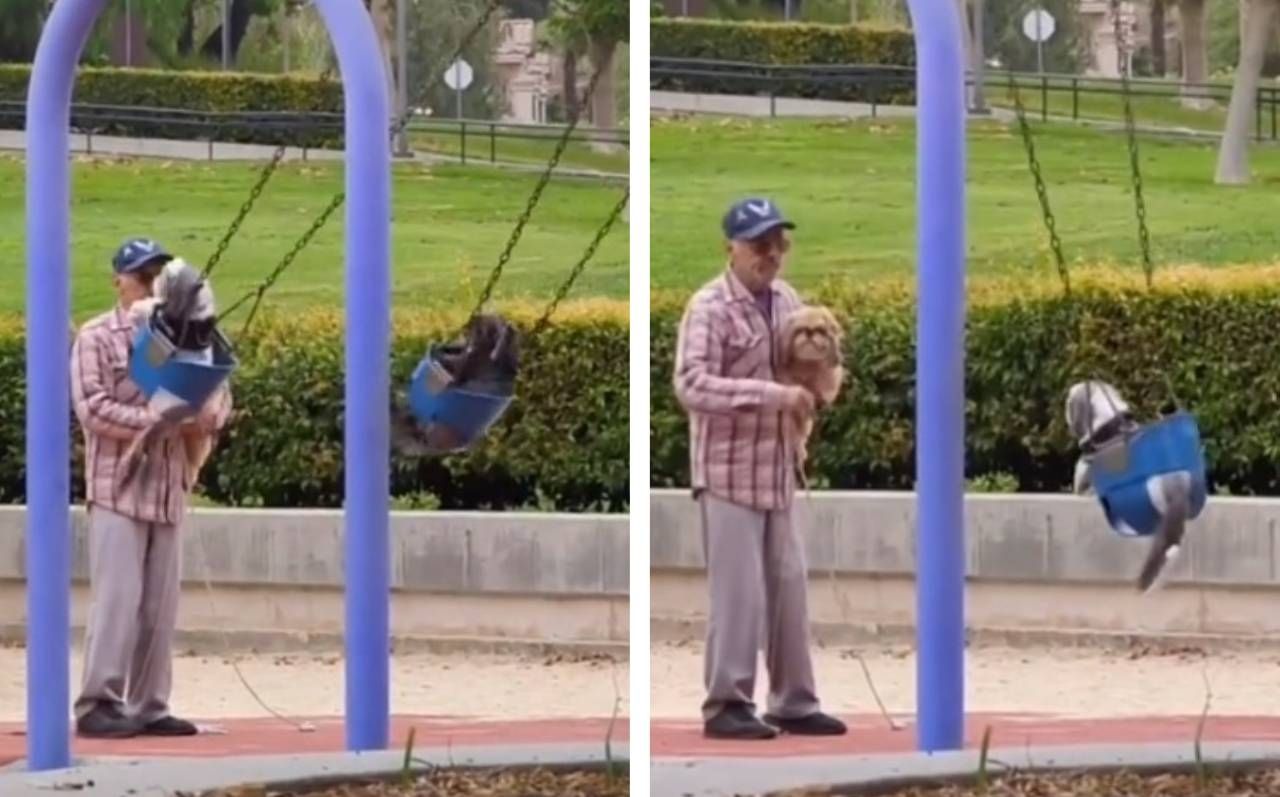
1038,25
459,75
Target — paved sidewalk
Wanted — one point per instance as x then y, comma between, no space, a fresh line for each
172,149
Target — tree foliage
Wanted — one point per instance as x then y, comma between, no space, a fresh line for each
20,22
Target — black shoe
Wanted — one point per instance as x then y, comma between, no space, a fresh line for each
737,722
106,722
168,726
816,724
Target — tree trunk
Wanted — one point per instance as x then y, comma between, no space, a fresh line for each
241,16
383,13
604,102
569,82
1233,152
978,59
1195,52
1158,62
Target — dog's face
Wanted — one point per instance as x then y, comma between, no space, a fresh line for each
185,295
1090,404
811,336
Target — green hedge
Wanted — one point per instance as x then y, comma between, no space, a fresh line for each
563,444
1214,342
782,43
194,90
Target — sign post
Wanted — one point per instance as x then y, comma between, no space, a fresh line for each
1038,26
458,77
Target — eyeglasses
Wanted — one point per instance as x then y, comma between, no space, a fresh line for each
765,243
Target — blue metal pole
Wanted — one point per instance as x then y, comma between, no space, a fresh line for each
48,382
940,548
367,415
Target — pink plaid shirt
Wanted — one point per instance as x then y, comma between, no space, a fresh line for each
724,378
112,410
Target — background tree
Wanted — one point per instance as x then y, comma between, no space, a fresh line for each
1159,61
20,23
1233,150
604,24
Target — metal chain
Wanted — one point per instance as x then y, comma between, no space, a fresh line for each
258,292
1049,222
1144,239
261,290
543,179
581,264
256,192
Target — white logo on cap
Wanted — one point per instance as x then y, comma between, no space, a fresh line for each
761,208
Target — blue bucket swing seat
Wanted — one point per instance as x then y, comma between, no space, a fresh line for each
1119,471
157,367
458,391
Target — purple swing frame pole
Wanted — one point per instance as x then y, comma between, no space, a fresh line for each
48,527
940,204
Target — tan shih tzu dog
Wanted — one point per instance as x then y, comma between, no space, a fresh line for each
811,356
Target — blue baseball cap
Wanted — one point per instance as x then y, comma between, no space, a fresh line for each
750,218
138,253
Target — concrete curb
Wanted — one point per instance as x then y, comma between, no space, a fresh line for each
172,776
880,774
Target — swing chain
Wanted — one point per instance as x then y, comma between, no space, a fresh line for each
543,180
256,192
563,291
1144,239
1050,222
259,292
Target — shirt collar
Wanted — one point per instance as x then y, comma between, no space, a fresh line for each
739,293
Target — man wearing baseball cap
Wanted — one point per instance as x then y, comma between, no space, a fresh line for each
743,478
134,542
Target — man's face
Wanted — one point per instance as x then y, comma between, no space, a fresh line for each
758,261
136,285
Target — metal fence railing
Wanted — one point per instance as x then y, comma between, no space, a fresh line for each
1043,94
468,138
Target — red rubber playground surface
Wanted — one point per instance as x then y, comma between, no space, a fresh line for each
669,739
270,736
870,733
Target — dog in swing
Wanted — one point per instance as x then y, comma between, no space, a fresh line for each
811,356
1099,418
486,360
182,308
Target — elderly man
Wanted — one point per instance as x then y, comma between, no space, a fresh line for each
134,537
743,476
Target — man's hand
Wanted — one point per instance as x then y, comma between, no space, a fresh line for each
799,401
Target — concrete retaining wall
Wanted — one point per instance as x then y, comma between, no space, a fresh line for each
1035,564
277,577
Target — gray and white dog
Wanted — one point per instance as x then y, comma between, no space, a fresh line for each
1099,417
183,306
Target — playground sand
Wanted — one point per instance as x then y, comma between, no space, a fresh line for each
481,686
1069,681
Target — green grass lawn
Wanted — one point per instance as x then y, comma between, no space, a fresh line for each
850,186
449,225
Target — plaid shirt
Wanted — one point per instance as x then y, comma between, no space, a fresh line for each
112,410
724,378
